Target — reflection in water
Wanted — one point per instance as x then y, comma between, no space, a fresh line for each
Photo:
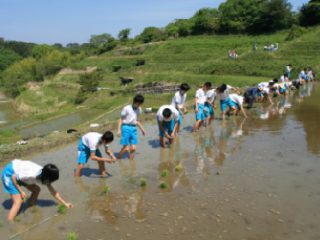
308,112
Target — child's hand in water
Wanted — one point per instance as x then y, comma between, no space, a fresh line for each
23,195
69,205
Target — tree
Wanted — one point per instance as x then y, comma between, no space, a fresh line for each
22,48
205,21
124,34
98,40
273,15
152,34
235,15
102,43
7,57
310,13
19,73
52,63
41,50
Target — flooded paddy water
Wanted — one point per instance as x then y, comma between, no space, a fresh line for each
254,179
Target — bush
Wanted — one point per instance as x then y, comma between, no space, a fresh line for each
295,32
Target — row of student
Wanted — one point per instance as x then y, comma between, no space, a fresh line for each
169,117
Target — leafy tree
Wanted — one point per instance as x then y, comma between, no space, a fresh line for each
52,63
22,48
124,34
102,43
98,40
274,15
7,57
89,83
310,13
152,34
15,76
205,21
41,50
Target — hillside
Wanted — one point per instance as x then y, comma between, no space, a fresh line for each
192,59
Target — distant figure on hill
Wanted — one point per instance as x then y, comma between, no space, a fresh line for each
233,54
288,70
272,47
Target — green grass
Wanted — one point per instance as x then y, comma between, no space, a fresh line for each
143,182
62,209
106,190
72,236
165,173
163,185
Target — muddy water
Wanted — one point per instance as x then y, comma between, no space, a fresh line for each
252,179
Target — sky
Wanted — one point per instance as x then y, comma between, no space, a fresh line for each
66,21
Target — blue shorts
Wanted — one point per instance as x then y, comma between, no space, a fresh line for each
168,126
226,103
129,135
282,90
209,111
200,115
84,153
235,105
7,182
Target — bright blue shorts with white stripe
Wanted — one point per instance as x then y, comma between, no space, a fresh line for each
209,111
226,103
7,182
200,115
84,153
129,135
168,127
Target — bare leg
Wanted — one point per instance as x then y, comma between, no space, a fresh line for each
78,170
16,205
132,151
197,126
35,190
162,142
223,114
123,151
102,168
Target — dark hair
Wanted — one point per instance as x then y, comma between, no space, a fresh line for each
138,99
185,87
166,112
285,75
275,80
222,88
107,137
208,84
290,65
49,174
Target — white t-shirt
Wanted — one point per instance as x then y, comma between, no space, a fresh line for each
91,140
26,171
237,99
201,96
174,115
263,84
211,96
225,94
130,115
179,100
